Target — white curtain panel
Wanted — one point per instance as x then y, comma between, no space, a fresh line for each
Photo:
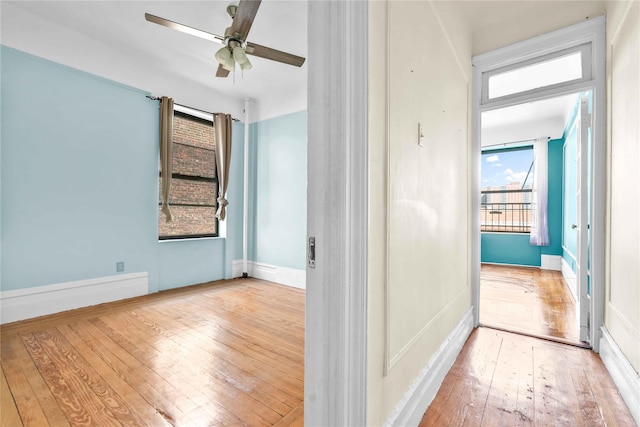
539,195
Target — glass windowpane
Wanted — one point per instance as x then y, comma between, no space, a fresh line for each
541,74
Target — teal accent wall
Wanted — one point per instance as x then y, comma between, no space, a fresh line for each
555,199
79,189
514,248
508,248
278,191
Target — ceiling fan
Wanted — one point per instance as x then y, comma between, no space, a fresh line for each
236,47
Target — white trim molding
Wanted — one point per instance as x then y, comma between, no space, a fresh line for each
570,277
411,408
551,262
624,376
273,273
335,371
21,304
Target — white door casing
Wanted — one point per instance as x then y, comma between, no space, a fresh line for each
591,32
335,389
582,226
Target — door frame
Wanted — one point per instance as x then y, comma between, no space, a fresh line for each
335,371
591,31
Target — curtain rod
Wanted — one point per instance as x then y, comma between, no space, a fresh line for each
507,144
155,98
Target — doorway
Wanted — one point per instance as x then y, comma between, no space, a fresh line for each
509,81
525,283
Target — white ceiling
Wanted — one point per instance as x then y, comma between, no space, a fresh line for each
113,40
546,118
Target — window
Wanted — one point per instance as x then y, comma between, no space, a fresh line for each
505,204
566,66
194,184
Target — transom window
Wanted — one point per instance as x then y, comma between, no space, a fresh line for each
562,67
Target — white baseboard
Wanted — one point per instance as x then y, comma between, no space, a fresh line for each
411,408
273,273
571,278
506,264
624,376
551,262
27,303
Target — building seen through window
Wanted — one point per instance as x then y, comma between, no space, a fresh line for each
194,185
507,177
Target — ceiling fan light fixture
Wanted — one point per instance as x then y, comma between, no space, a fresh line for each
235,45
246,65
239,55
223,55
229,64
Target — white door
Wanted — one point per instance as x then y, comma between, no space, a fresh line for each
582,225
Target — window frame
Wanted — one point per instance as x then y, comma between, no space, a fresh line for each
201,117
587,75
526,146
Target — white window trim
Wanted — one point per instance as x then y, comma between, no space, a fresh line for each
193,112
584,49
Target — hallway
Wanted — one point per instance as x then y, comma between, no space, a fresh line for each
505,379
512,373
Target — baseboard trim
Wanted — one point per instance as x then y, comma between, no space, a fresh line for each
505,264
411,408
551,262
273,273
21,304
624,376
571,278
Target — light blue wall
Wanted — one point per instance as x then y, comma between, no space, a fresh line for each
278,191
79,182
513,248
235,195
569,235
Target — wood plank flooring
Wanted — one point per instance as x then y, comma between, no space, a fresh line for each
529,301
225,353
505,379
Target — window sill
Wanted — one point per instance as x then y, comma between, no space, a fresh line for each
506,232
195,239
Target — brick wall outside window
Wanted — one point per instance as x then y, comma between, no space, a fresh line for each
194,186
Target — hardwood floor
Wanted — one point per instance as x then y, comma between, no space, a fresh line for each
505,379
226,353
529,301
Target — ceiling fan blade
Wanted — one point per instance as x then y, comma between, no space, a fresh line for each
244,16
184,28
222,72
274,55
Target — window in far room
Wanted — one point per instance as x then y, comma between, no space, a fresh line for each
507,177
194,184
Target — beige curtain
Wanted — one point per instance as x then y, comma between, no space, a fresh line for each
166,152
222,128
